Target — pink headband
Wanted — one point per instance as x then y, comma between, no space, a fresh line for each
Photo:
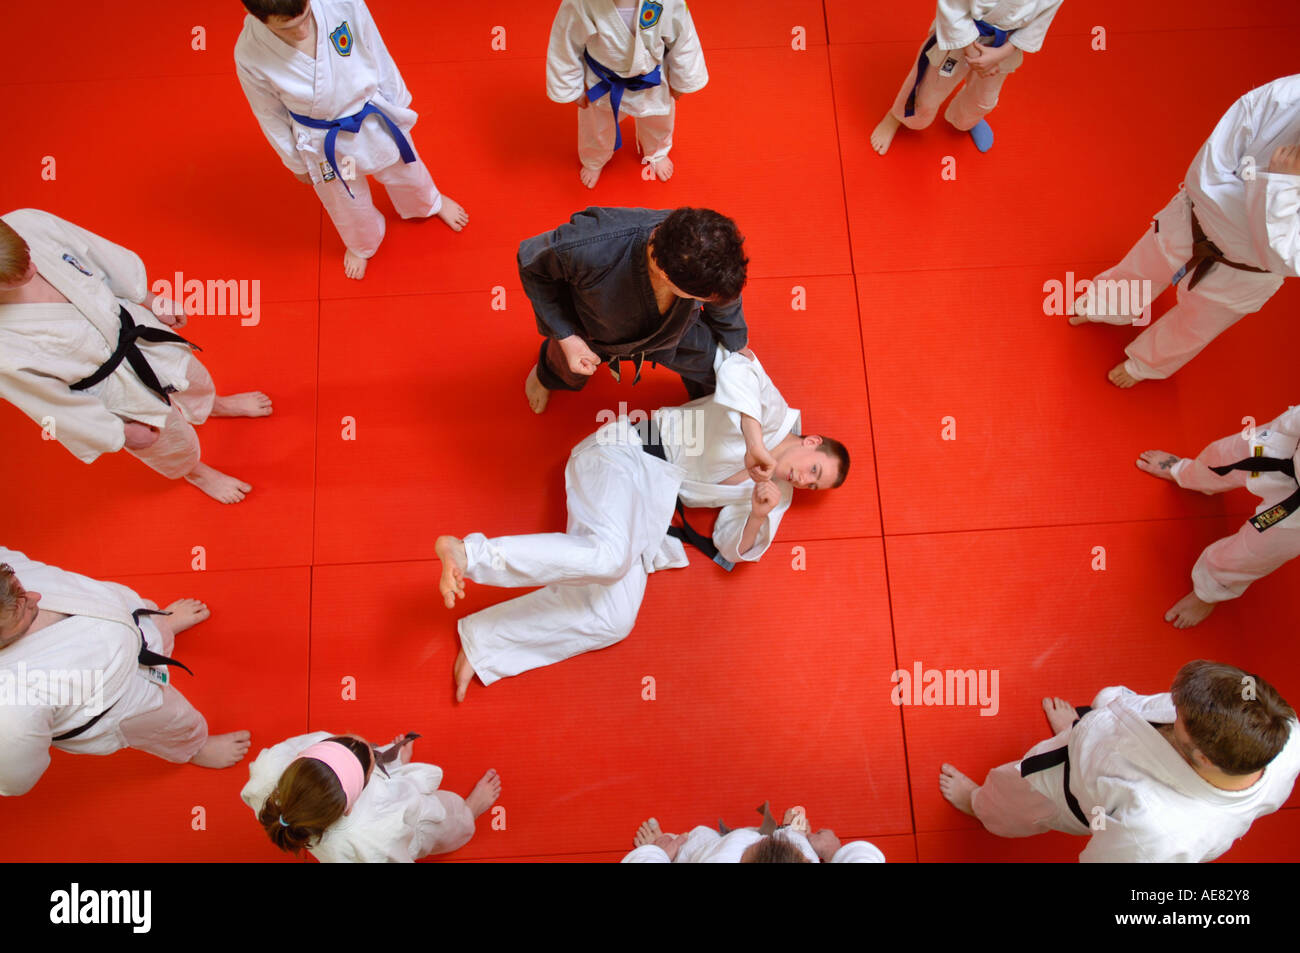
345,765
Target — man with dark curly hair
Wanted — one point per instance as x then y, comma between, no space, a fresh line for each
636,285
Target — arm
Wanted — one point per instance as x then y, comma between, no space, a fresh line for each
121,266
954,26
81,423
1273,205
546,282
1287,423
274,119
25,753
727,322
1029,37
858,852
391,85
684,58
566,73
647,854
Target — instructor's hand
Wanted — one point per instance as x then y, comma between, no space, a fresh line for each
582,359
303,177
1285,160
766,496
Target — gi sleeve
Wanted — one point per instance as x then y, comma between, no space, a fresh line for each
727,322
273,117
25,753
683,57
954,26
391,85
730,527
1288,423
1029,37
81,423
546,280
566,72
1273,209
1133,836
858,852
647,854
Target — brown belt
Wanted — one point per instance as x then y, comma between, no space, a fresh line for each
1206,254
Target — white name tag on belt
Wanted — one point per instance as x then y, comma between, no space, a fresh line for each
159,676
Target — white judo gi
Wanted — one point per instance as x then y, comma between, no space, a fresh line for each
1250,213
351,68
1156,808
396,819
57,679
953,30
621,502
1225,568
661,34
45,347
704,845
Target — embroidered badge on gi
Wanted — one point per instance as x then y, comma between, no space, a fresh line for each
342,40
71,260
1270,517
326,172
650,13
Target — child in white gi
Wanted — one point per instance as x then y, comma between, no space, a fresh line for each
791,843
1227,239
1169,778
333,105
624,57
1263,461
980,42
347,801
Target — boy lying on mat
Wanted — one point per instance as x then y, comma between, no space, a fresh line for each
738,449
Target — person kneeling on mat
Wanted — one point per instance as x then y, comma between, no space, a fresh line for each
738,449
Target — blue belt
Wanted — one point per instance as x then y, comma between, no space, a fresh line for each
353,124
615,85
1000,37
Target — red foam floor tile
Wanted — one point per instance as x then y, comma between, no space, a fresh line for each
1028,605
727,726
390,491
116,515
1104,157
1041,437
250,665
767,110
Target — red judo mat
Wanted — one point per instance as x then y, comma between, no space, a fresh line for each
898,302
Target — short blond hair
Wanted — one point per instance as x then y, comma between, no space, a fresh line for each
15,256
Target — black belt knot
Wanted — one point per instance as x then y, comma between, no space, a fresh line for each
129,350
652,444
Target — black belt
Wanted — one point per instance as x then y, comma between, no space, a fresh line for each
651,444
1274,514
146,657
1050,759
1206,254
128,350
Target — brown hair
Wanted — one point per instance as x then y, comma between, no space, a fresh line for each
773,850
265,9
309,799
838,452
1237,720
15,256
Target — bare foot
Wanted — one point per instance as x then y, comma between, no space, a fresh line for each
538,395
589,177
1158,463
222,488
883,134
463,672
1189,611
187,613
956,788
251,404
354,266
454,214
485,793
451,585
223,751
647,833
663,168
1060,714
1120,377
